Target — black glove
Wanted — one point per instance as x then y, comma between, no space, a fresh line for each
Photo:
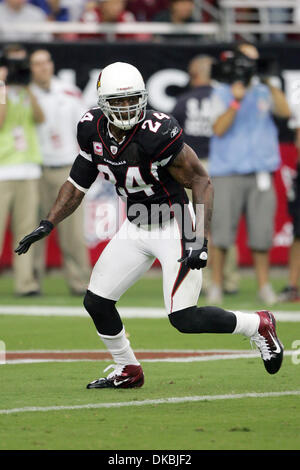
40,232
195,258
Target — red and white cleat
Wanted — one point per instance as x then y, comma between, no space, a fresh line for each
129,376
267,342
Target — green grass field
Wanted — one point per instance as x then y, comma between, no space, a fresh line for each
211,410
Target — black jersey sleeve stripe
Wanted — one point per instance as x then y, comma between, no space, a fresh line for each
83,172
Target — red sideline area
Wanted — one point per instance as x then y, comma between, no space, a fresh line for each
282,233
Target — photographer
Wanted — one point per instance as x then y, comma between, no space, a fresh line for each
193,113
20,159
244,154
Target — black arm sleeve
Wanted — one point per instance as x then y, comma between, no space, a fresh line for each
83,172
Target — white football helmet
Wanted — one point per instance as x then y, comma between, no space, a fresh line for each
121,80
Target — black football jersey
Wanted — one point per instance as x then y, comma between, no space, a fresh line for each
137,166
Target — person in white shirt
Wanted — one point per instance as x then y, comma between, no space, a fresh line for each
63,106
20,12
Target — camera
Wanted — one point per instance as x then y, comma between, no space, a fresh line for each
18,69
234,66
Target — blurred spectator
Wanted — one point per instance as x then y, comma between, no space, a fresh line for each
107,11
21,12
179,12
20,160
193,109
75,8
194,114
145,10
54,9
63,107
244,154
63,10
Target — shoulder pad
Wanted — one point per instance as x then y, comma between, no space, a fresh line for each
162,136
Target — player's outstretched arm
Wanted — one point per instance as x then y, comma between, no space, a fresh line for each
68,199
190,173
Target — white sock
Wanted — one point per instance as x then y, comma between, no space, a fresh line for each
246,323
120,349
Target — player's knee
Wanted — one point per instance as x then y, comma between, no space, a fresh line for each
182,320
96,305
104,314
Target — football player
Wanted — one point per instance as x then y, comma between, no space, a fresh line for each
143,154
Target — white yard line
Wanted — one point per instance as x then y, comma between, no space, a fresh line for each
199,351
159,401
212,357
125,312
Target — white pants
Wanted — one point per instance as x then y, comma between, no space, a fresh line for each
132,251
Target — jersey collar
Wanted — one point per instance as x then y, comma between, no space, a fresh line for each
112,137
124,143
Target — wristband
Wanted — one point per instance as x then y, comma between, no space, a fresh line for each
48,224
235,105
